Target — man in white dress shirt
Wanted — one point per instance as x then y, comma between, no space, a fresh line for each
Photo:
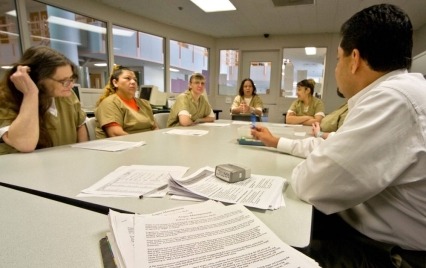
367,182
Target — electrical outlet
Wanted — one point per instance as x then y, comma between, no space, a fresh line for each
228,100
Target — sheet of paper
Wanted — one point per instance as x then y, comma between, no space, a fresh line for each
187,132
108,145
135,180
259,191
216,124
241,123
219,237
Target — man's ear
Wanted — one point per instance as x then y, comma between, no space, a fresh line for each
356,60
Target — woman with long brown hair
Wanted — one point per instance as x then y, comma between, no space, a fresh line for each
38,107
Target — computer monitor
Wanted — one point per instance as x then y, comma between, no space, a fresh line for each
76,89
155,97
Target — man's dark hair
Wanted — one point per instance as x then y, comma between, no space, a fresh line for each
383,34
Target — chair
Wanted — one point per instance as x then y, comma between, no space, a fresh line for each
161,119
244,117
91,128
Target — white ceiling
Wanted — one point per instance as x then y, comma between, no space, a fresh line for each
257,17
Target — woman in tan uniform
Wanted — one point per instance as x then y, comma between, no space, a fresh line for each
118,112
307,109
191,107
38,107
247,100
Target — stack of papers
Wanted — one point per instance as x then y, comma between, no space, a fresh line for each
203,235
135,180
259,191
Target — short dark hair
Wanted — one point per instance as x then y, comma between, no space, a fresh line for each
383,35
241,90
309,83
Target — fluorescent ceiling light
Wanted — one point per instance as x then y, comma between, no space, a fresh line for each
7,67
310,50
11,13
173,70
214,5
101,64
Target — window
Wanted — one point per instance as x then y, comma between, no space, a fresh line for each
10,47
141,52
186,59
298,65
228,72
260,73
80,38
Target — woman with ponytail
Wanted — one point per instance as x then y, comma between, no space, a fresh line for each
118,112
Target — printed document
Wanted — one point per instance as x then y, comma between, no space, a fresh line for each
259,191
135,180
227,236
187,132
108,145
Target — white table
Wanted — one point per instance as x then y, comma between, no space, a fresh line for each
65,171
39,232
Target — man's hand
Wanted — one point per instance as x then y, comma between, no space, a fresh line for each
264,135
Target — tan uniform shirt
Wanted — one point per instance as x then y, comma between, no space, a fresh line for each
255,102
332,121
62,128
113,109
316,107
197,110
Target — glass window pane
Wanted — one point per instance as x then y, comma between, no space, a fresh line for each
80,38
228,72
141,52
186,59
260,73
298,65
10,46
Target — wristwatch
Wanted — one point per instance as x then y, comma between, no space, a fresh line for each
319,134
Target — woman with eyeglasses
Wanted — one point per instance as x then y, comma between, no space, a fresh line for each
307,109
118,112
38,107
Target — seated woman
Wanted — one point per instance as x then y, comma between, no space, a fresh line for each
191,107
118,112
331,122
307,109
247,100
38,107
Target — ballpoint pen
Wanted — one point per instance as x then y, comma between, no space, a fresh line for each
253,120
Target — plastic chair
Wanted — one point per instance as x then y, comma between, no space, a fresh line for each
161,119
91,128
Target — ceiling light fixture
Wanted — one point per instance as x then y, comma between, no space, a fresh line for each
214,6
310,50
101,64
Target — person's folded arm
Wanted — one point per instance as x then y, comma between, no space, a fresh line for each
114,130
185,120
294,119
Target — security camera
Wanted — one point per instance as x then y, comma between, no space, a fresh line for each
266,35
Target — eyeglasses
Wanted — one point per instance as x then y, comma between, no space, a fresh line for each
65,82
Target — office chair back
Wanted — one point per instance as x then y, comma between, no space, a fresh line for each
91,128
161,119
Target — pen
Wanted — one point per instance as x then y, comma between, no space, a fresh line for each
253,120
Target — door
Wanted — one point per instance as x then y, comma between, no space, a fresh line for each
263,67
